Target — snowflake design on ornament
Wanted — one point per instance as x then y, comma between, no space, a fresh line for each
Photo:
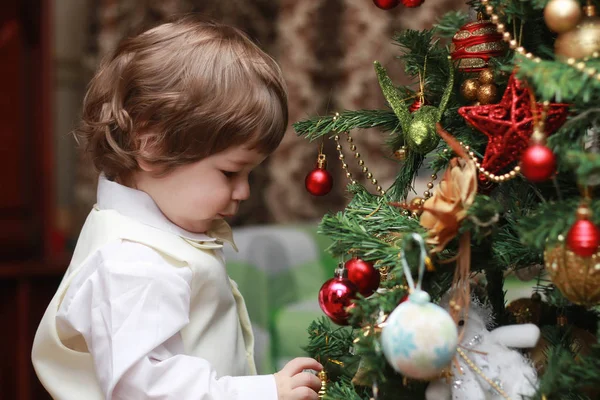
404,343
443,355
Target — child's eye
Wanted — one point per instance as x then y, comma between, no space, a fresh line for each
229,174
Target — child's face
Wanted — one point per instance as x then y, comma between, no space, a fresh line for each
193,195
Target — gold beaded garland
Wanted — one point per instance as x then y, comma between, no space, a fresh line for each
357,156
479,372
507,37
489,176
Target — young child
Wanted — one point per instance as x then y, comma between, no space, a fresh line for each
175,121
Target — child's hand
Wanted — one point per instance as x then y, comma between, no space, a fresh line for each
293,384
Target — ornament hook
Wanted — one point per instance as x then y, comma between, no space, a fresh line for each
421,270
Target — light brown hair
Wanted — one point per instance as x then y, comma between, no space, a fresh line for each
186,89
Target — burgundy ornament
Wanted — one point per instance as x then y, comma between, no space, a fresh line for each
363,275
538,163
386,4
336,295
319,181
583,237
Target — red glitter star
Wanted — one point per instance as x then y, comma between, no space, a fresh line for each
509,124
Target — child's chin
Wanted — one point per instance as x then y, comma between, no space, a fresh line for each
198,227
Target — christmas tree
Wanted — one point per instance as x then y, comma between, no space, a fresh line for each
504,110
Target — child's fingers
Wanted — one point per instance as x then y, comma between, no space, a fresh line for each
304,393
306,379
301,363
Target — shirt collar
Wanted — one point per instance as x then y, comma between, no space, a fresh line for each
138,205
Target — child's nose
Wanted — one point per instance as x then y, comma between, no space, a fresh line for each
242,190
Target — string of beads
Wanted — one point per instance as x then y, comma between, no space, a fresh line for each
357,156
514,45
478,371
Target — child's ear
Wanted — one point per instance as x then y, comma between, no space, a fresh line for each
147,151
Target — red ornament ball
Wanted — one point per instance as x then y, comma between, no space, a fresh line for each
318,182
583,238
335,295
412,3
417,104
386,4
362,274
538,163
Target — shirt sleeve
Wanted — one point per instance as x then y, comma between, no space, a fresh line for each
130,305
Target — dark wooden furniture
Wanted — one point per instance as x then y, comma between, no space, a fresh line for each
30,270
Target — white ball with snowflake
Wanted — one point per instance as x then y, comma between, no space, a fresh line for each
419,338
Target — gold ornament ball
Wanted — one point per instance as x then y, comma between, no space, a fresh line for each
582,41
486,76
525,310
469,88
400,154
562,15
417,202
578,278
486,94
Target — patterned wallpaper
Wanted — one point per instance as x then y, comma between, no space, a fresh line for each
326,49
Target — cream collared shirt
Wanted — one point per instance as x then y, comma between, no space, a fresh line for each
149,367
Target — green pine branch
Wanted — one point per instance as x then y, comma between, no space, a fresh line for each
327,343
551,219
365,225
560,82
316,127
568,375
450,23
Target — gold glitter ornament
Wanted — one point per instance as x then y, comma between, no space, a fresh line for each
578,278
583,41
469,88
486,76
562,15
486,94
526,310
